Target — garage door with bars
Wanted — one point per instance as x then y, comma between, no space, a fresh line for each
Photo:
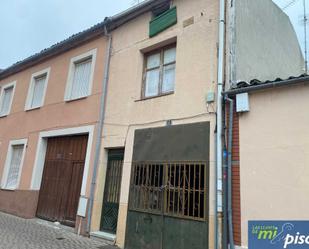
176,189
169,192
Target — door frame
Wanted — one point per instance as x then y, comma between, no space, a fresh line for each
41,153
112,153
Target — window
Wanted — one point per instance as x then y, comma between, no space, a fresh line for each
37,89
161,9
163,21
159,75
80,77
13,164
6,98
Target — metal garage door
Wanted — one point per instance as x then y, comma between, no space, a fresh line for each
168,204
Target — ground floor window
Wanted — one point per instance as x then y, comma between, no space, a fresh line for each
13,164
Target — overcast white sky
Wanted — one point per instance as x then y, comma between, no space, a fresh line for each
28,26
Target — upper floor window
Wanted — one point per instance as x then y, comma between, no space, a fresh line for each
13,164
37,89
80,76
6,98
159,73
161,9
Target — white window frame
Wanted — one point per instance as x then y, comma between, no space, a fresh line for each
8,162
8,85
68,90
31,88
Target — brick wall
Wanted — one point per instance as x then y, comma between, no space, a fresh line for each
235,178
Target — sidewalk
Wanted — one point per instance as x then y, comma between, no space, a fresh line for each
18,233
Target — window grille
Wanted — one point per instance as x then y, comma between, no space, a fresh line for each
177,189
15,164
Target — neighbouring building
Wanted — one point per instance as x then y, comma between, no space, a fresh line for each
49,115
270,143
156,185
147,77
261,44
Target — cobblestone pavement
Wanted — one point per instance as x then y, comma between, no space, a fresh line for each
18,233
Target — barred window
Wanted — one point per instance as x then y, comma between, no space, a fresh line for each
174,188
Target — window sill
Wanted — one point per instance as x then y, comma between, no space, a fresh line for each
8,189
79,98
154,97
32,109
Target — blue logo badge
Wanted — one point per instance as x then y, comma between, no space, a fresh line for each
278,234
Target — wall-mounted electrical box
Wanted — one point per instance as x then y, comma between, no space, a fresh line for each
210,98
82,207
242,102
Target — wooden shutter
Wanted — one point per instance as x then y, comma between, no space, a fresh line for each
163,21
81,79
13,174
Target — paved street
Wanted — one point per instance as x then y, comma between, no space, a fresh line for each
17,233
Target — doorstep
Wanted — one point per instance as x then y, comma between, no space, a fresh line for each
109,237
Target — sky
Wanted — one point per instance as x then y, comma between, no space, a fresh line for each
28,26
296,13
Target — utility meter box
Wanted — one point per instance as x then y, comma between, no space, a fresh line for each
210,98
242,102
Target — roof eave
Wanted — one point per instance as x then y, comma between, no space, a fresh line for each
126,16
268,85
111,23
55,50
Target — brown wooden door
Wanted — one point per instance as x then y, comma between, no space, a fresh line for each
62,179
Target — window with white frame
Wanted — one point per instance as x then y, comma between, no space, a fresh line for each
37,89
6,98
159,72
13,164
80,77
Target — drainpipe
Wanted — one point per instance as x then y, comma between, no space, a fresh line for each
229,173
221,54
100,127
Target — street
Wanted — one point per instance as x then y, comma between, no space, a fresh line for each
18,233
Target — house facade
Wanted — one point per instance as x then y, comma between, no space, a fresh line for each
49,118
113,131
158,122
162,80
270,143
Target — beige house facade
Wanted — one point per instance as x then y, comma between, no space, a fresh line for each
273,171
131,106
136,112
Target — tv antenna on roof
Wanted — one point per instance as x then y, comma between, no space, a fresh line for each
135,2
290,4
304,21
305,35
